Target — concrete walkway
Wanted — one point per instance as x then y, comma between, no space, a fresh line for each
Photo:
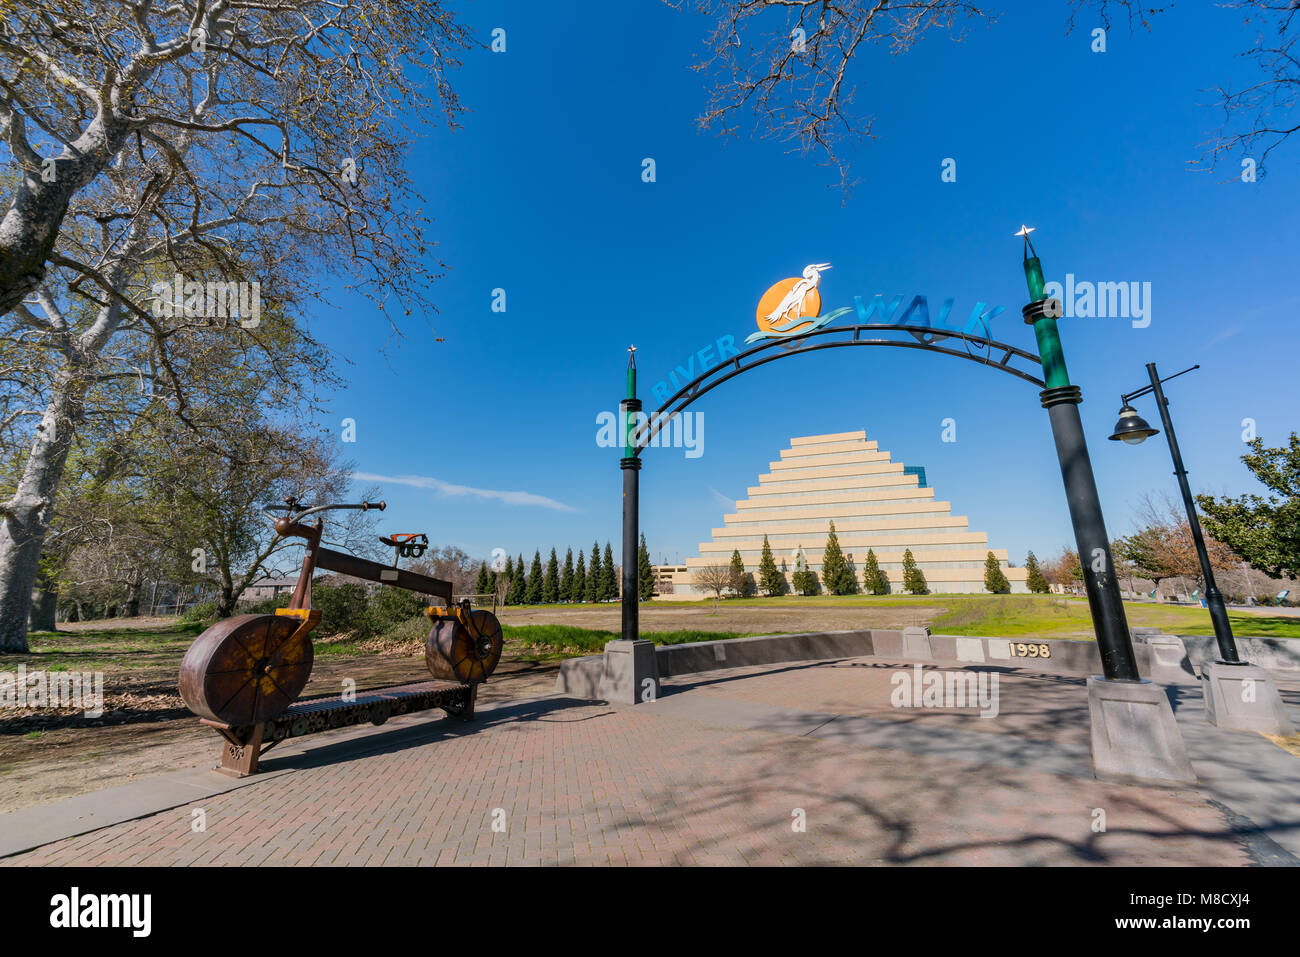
798,763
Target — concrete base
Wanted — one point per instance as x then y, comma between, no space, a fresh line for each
630,674
1135,739
916,644
1169,663
1243,698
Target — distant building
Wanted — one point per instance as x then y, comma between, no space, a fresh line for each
663,576
874,503
263,588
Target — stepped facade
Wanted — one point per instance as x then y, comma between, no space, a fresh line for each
875,504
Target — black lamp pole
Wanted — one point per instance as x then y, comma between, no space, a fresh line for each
1213,597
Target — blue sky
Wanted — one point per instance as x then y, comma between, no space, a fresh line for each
541,194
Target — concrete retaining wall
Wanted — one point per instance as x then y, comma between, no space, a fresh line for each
580,677
1275,654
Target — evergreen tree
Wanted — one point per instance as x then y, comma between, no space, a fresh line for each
578,592
608,576
594,575
482,586
533,592
740,580
518,593
836,574
994,578
645,572
804,578
873,579
566,577
551,584
913,577
1036,582
769,576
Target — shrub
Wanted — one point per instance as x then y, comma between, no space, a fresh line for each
391,607
343,608
267,606
197,614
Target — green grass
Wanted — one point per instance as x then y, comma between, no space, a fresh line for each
1057,616
590,640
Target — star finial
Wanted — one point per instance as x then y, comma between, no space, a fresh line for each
1029,246
631,356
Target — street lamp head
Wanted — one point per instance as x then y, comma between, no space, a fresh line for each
1131,427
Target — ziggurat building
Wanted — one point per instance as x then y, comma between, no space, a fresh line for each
874,503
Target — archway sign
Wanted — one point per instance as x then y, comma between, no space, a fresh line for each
790,323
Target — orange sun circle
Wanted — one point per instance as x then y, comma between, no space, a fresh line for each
811,306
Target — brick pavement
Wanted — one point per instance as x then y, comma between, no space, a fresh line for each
578,783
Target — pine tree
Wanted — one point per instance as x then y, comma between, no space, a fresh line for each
769,576
836,574
873,579
804,578
608,576
566,577
482,586
913,577
740,579
518,593
994,579
534,591
645,572
551,584
594,575
1036,582
578,592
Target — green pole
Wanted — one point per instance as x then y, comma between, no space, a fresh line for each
629,416
1061,400
1055,374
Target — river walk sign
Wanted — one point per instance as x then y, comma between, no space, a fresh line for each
792,307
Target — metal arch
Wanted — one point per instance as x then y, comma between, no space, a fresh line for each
926,338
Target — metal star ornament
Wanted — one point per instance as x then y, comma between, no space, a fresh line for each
1029,246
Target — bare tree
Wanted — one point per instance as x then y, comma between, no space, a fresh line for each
787,65
199,144
1260,116
715,578
786,62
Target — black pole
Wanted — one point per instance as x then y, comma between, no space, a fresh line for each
1213,597
1102,587
631,466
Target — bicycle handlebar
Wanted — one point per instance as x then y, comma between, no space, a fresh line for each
297,513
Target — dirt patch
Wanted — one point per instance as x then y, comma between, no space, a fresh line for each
146,728
746,619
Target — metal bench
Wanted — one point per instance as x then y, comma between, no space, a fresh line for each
246,745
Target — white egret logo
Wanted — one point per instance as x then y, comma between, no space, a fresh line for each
792,306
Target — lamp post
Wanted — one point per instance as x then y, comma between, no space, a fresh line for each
1237,694
631,466
1132,429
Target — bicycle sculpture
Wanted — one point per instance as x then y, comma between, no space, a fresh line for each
243,675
